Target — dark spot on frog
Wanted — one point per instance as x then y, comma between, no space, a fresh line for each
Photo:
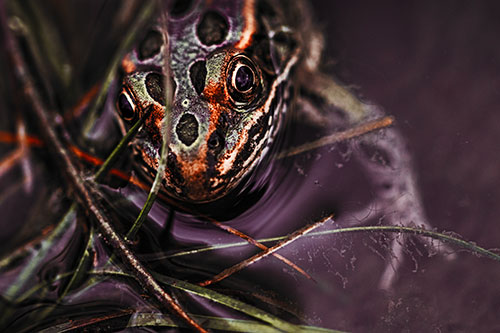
212,29
154,86
217,139
150,45
180,8
198,73
187,129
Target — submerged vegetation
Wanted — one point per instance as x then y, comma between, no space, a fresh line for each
87,244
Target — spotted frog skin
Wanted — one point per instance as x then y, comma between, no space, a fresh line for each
231,64
236,68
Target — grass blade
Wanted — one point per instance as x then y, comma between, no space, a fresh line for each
350,133
162,163
392,229
245,263
31,268
120,147
229,302
216,323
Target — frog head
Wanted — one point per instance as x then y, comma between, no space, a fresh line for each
229,64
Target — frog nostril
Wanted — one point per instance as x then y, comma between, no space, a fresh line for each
187,129
215,142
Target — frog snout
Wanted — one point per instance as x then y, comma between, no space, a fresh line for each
195,152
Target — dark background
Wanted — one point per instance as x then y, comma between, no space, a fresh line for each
435,66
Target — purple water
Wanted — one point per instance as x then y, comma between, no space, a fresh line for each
434,66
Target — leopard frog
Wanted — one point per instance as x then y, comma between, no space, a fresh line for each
237,67
231,65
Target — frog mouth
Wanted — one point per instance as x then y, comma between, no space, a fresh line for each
195,180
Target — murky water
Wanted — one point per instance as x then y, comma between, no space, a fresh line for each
280,197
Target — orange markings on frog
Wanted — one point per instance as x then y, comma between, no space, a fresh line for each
128,65
216,95
195,169
154,122
250,24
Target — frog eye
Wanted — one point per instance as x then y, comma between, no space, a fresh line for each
243,80
126,107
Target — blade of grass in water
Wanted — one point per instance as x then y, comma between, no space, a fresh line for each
229,302
215,323
158,320
120,147
26,274
153,192
50,41
214,296
394,229
31,268
218,298
160,171
84,263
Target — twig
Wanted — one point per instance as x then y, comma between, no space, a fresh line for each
245,263
7,137
350,133
83,192
261,246
10,160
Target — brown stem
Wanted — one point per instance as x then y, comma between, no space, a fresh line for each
349,133
245,263
83,192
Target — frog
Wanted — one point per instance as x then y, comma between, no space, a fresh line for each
237,70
